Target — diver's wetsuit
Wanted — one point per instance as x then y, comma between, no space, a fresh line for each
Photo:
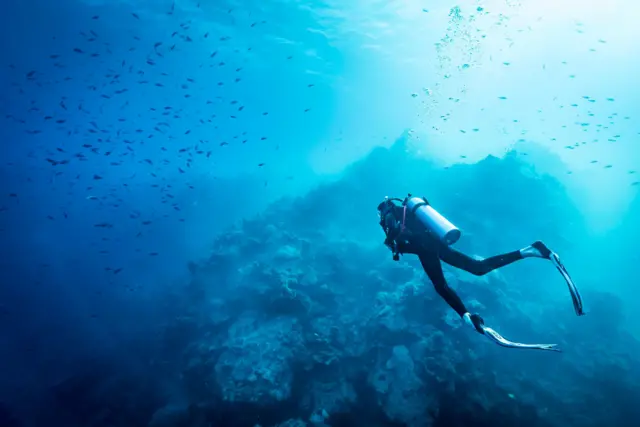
430,251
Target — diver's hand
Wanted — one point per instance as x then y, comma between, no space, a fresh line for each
474,321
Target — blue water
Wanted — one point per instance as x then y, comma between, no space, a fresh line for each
188,224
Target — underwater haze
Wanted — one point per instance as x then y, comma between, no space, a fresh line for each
188,211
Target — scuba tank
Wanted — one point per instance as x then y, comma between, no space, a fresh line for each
434,222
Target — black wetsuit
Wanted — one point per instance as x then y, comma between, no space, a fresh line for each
431,251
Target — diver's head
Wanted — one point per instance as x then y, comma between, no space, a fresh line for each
384,207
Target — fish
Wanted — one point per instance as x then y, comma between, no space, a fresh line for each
103,225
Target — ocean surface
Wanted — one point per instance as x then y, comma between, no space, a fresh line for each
188,224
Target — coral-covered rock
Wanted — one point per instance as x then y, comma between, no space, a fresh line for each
293,423
329,395
401,393
256,363
286,318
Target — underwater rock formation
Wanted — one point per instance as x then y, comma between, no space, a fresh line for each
401,393
256,363
318,322
299,317
312,316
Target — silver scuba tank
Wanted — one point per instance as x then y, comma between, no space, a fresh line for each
432,220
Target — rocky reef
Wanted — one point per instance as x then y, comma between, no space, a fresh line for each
299,317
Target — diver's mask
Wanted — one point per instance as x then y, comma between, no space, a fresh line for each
384,207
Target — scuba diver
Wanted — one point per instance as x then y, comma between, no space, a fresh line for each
412,226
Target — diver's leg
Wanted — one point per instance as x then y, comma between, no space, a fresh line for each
478,267
537,250
431,265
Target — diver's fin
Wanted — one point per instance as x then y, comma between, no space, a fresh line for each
575,294
501,341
